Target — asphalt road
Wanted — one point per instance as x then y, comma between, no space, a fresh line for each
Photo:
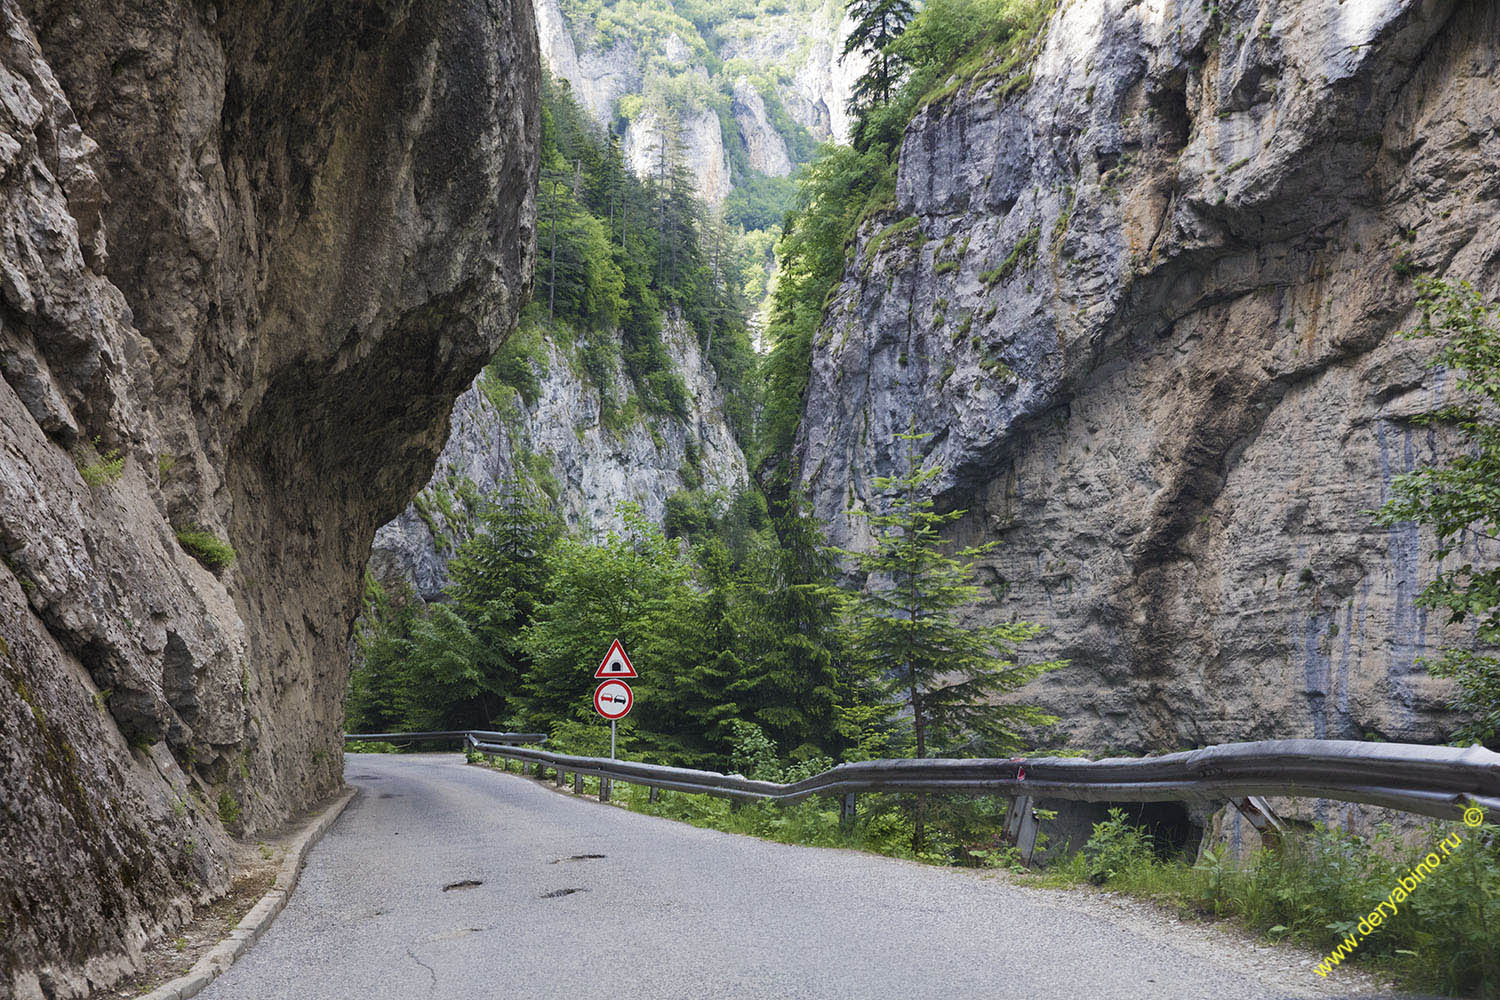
673,911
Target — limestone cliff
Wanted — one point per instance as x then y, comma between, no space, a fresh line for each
564,438
631,66
1144,291
249,254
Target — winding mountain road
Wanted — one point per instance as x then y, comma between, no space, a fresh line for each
578,899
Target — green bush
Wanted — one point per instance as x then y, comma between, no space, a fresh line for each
1319,883
229,809
1115,846
107,468
369,746
206,547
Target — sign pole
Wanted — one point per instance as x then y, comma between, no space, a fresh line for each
611,739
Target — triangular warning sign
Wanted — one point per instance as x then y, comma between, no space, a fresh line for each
616,663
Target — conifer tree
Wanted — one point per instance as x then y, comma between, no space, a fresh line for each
877,24
788,626
905,628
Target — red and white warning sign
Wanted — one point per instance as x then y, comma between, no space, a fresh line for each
615,663
613,699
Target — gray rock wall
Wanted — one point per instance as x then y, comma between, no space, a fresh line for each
249,254
1147,305
593,467
803,44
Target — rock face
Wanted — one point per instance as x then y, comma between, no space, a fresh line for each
249,254
599,77
817,95
1147,305
763,144
587,466
796,47
702,142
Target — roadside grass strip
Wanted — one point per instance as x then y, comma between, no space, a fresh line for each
1404,888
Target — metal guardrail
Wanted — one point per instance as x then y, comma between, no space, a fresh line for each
1427,780
1433,781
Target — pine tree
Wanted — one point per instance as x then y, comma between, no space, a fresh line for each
877,24
905,628
380,682
787,623
497,578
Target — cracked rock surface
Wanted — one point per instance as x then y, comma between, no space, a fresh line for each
249,254
1147,302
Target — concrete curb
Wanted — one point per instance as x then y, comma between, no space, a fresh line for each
249,930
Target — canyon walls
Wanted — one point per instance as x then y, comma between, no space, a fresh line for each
1144,290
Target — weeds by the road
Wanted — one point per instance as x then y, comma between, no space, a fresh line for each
1317,885
1312,890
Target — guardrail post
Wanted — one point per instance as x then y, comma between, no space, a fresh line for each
577,783
1013,807
848,810
1258,812
604,784
557,776
1026,838
654,794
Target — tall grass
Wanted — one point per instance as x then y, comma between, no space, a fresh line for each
1317,885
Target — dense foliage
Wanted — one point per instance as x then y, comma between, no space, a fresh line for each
1460,499
531,609
614,251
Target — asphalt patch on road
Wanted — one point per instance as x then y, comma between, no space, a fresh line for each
468,883
555,893
577,857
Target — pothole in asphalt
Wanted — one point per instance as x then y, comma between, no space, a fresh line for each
577,857
390,795
555,893
468,883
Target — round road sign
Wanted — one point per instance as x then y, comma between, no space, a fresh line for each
613,699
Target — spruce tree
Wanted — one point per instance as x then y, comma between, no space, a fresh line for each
787,614
496,579
905,628
877,24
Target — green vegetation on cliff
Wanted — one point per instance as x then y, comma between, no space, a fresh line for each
1460,499
945,44
615,251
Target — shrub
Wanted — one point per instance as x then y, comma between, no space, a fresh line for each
1115,846
369,746
206,547
229,809
109,467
